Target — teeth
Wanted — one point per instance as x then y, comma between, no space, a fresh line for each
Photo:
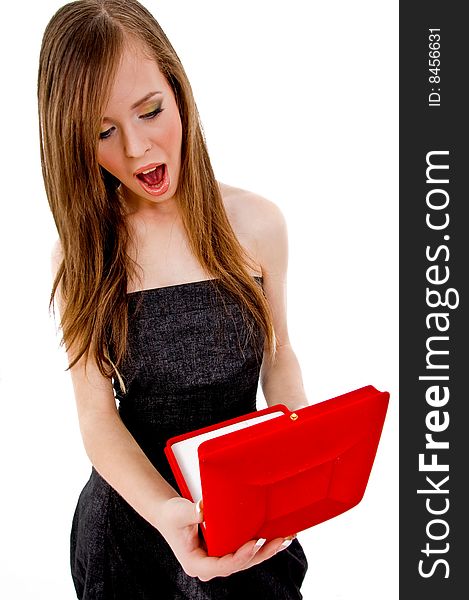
149,171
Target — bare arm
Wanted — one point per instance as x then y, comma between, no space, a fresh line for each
111,448
109,445
281,380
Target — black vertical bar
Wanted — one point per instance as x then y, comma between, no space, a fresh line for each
434,252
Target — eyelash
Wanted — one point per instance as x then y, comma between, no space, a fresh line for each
147,117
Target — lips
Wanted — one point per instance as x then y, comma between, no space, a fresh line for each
154,178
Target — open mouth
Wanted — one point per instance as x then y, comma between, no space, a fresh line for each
155,181
153,177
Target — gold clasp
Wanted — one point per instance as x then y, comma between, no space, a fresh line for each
293,416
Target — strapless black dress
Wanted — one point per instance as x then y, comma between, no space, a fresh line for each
194,359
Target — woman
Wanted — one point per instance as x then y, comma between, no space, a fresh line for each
171,292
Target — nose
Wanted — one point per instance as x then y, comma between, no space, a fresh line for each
136,143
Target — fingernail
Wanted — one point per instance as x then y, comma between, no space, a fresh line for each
199,506
260,542
285,544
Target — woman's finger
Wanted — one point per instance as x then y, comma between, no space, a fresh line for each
269,550
199,511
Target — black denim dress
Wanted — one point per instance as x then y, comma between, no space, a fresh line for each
194,359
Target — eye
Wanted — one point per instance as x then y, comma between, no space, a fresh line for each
152,114
105,134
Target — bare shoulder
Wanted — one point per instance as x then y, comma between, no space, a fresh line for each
257,219
248,208
56,257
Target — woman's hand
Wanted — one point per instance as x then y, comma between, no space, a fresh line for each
181,518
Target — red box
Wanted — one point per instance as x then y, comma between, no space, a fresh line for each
283,475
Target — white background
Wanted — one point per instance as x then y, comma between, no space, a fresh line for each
299,104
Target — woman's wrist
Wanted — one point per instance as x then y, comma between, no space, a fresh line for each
159,518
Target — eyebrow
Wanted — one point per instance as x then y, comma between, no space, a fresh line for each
139,102
144,99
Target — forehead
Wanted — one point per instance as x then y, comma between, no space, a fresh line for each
137,74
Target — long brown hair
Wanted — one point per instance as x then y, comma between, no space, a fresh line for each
79,57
